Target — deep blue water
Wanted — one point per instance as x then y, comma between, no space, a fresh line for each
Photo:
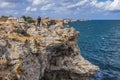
99,42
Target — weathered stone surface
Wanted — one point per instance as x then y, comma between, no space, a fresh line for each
45,53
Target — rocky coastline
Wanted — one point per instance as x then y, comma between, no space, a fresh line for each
47,52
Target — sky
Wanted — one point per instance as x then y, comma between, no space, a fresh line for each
68,9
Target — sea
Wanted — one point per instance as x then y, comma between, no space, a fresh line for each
99,43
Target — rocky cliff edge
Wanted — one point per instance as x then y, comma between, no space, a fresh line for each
42,53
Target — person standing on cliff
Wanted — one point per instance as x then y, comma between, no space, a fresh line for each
38,21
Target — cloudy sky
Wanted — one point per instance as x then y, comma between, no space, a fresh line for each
75,9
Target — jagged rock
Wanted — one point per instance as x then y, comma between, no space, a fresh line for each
48,53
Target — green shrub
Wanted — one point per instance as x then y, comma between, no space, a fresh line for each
28,19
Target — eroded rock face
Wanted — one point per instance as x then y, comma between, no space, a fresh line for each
48,53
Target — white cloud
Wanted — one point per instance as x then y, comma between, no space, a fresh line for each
6,5
107,5
33,9
104,5
80,3
37,2
115,5
47,7
28,8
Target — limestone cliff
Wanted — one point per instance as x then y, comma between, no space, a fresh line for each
45,53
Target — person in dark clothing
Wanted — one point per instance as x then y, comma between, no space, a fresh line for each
38,21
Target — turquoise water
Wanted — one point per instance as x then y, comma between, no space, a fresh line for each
99,42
